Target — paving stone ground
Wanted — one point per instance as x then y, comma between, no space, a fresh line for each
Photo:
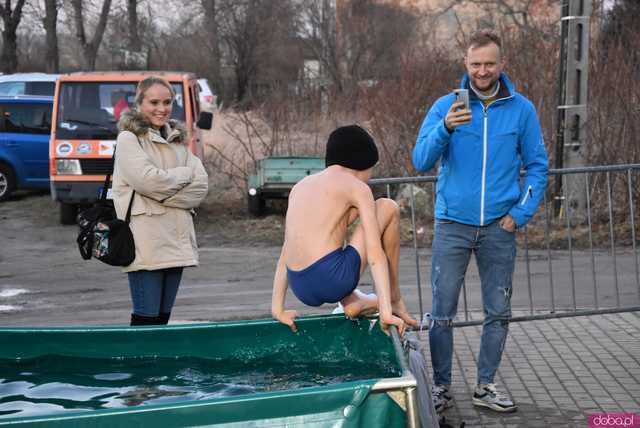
558,371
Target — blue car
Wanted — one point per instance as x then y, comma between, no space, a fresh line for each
25,128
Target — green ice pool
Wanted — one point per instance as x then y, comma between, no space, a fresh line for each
333,372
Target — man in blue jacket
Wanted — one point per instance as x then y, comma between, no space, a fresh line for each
479,204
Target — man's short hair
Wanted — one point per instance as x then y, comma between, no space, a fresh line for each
483,38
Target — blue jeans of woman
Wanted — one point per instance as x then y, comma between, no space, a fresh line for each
495,252
154,291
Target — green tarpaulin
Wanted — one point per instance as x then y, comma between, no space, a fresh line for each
320,339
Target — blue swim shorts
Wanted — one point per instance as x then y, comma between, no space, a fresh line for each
329,279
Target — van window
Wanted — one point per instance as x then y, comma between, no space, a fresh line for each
91,110
25,118
40,88
27,88
11,88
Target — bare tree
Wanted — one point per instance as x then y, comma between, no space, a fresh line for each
317,26
523,15
240,32
357,40
50,22
254,33
373,35
11,20
90,47
134,36
210,8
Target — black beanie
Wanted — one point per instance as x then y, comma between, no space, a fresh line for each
351,147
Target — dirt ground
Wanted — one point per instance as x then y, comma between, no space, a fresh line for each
43,279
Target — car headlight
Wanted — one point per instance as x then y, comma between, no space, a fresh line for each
68,167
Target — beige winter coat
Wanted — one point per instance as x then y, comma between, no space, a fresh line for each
169,181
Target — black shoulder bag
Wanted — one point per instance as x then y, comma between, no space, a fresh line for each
104,236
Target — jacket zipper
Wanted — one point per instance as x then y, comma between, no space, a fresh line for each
485,110
484,163
526,195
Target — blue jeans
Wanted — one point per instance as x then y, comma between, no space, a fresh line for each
495,251
154,291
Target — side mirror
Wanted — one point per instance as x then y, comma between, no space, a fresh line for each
205,121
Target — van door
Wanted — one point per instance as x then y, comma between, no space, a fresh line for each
197,143
27,128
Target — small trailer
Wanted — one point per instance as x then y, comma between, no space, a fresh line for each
276,176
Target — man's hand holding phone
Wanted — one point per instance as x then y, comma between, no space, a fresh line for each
459,113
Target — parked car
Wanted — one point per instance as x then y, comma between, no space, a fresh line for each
25,128
28,84
208,100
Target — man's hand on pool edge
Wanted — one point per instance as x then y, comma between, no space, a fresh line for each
389,320
288,318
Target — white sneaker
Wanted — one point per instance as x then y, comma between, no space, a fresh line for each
486,395
441,397
338,309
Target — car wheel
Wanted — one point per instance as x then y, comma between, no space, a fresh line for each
7,181
256,205
68,213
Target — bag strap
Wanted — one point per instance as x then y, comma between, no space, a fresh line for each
103,195
107,179
128,216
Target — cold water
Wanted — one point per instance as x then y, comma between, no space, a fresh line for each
54,384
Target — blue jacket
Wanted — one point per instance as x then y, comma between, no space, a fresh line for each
478,179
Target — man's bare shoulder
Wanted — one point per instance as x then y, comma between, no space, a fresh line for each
346,180
331,182
309,181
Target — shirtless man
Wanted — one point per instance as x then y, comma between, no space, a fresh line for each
321,208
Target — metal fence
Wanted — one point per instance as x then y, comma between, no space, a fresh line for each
577,255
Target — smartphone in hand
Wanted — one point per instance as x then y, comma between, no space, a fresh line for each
463,96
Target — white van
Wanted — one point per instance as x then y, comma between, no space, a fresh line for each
206,96
28,84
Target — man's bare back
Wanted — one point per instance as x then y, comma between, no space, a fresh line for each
318,216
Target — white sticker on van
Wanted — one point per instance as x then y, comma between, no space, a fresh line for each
84,148
67,125
64,149
106,147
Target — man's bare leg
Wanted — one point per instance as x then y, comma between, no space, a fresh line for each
388,215
358,303
391,246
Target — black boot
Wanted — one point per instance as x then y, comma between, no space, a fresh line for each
163,318
142,320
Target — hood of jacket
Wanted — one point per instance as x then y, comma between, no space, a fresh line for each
132,120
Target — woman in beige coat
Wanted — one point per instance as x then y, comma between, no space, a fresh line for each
154,166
